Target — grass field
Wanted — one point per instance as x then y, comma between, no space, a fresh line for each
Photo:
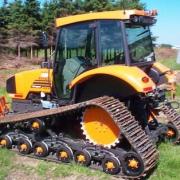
171,63
168,167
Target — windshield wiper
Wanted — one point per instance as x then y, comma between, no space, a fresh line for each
142,33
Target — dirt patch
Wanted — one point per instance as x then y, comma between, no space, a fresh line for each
13,62
27,168
165,53
23,160
178,77
20,175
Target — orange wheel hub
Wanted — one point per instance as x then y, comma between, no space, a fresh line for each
170,133
23,147
81,158
3,142
63,154
110,165
39,150
133,164
99,128
35,125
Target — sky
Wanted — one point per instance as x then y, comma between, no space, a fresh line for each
167,28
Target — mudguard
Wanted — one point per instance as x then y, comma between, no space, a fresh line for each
131,75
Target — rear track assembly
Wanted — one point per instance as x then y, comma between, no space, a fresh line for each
142,154
173,120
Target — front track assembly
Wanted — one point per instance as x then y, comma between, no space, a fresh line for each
133,162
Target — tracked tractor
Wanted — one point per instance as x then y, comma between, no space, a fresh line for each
97,102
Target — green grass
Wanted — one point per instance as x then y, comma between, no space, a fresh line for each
169,163
167,169
171,63
4,93
60,170
6,160
178,90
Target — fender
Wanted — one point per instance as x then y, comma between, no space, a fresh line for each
132,75
22,83
168,73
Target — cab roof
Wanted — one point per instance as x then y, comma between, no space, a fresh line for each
119,14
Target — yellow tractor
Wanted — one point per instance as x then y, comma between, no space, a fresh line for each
97,102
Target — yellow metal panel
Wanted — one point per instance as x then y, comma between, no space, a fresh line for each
38,80
132,75
160,67
169,74
120,14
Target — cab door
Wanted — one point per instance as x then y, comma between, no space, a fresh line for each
75,53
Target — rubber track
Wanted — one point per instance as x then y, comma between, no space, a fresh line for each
129,127
173,118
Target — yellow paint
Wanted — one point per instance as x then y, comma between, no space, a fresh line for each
25,82
35,125
110,165
132,75
23,147
169,74
160,67
99,127
133,164
81,158
3,142
170,78
170,133
63,154
120,14
39,150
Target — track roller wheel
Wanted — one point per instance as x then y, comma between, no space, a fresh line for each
111,165
172,133
132,164
41,149
6,141
24,146
37,125
64,154
82,157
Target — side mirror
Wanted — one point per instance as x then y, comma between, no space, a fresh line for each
43,39
44,43
46,64
1,23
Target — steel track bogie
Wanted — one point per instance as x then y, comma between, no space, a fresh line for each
57,147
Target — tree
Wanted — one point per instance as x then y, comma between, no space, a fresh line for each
129,4
16,26
78,6
3,27
21,20
32,14
97,5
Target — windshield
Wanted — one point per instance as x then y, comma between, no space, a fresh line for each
140,43
111,42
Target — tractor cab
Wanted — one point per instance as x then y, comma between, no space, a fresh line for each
101,39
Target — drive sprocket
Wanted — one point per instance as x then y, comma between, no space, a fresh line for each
99,127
